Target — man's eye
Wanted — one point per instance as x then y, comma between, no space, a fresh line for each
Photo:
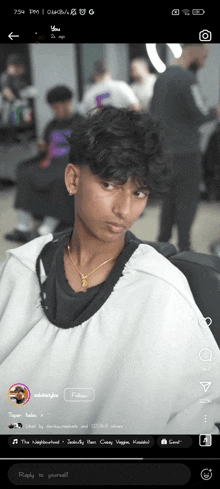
143,195
107,184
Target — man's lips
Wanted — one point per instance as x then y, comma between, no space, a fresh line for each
115,227
116,224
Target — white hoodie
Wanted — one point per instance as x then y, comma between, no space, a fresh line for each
134,367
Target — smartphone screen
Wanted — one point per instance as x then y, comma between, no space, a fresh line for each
109,313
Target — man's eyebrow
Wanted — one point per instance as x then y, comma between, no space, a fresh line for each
142,187
119,182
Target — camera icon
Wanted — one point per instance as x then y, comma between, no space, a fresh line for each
205,35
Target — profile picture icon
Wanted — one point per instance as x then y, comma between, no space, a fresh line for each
18,394
15,425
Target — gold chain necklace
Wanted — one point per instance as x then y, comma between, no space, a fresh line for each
84,277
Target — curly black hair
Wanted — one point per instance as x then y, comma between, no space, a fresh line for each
118,143
59,93
19,388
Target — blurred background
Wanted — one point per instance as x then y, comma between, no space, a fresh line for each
47,65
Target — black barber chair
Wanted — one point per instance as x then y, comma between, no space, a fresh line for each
203,274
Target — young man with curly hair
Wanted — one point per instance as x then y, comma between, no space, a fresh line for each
116,336
40,184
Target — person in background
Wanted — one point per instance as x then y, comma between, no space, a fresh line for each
177,102
40,181
143,86
106,91
211,165
15,96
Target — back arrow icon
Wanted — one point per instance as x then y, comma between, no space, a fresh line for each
11,35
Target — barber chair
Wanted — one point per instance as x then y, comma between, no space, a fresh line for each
203,274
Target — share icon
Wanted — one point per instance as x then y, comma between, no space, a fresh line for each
205,385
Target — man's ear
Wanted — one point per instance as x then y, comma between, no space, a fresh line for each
72,175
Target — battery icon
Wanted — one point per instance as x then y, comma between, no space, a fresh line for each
198,11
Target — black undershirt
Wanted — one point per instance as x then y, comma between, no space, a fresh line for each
63,306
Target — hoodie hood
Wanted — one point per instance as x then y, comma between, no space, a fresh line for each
27,254
143,260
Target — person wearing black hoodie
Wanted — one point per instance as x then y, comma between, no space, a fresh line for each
177,101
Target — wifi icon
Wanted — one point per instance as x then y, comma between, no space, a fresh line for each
186,11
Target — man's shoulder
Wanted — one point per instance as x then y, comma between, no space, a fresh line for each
184,76
50,124
112,85
76,120
77,117
27,254
146,259
174,73
121,85
156,274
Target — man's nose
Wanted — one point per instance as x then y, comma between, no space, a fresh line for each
123,205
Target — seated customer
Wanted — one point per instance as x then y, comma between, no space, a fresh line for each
13,81
40,181
111,326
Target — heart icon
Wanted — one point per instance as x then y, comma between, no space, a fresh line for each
205,322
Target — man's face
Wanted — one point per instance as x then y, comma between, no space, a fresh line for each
138,68
62,110
99,202
19,395
199,55
134,70
15,70
203,53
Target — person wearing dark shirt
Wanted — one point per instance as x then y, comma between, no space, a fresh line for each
177,101
16,100
40,181
12,82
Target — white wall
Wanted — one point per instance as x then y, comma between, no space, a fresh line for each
89,54
51,64
209,80
117,58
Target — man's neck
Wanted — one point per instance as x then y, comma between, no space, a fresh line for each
100,79
88,249
181,62
68,117
188,65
